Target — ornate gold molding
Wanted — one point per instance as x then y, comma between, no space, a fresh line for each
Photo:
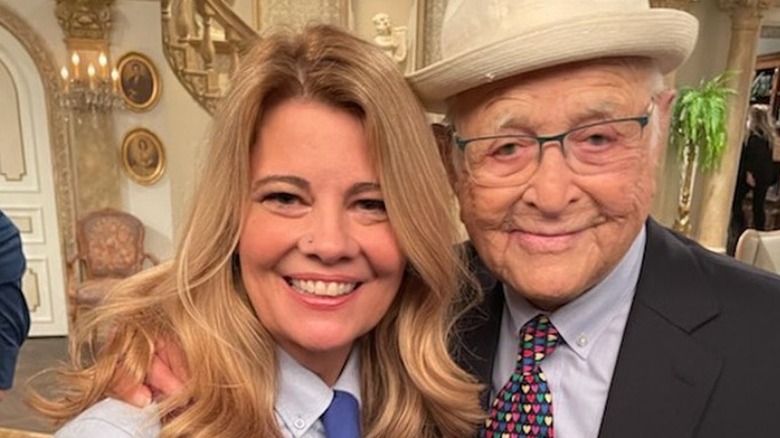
64,188
771,31
745,14
84,19
296,14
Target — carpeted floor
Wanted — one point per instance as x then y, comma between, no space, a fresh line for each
17,420
10,433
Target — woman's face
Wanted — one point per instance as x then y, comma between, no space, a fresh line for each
318,256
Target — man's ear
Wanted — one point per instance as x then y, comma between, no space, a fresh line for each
443,136
663,104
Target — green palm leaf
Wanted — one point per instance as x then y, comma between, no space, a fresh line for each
699,120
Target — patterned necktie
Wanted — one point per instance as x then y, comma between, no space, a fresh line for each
523,407
342,418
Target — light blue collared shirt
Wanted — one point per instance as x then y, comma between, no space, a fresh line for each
580,369
302,397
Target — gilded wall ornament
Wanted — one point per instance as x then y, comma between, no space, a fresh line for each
84,19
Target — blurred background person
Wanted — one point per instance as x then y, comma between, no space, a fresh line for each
757,172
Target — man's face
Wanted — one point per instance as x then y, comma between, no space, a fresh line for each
559,232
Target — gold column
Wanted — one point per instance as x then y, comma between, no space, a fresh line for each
713,221
661,204
87,25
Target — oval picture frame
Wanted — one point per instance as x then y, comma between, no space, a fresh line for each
143,156
139,81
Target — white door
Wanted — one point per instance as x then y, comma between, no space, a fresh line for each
27,188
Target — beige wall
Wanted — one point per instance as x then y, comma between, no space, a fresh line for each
177,119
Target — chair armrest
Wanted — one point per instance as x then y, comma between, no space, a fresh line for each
151,258
71,260
71,273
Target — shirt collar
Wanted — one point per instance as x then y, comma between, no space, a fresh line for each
581,321
302,397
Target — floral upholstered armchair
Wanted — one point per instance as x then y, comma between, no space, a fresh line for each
110,247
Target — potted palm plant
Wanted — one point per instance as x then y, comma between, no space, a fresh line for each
698,134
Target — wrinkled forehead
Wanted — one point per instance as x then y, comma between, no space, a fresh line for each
592,89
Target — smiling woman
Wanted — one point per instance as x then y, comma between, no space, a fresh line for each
316,266
320,261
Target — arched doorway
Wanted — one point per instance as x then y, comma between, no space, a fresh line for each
36,188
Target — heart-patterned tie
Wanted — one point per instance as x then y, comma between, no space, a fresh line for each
523,407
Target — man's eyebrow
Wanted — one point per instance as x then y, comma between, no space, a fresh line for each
601,111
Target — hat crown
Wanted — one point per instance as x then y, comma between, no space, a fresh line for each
489,40
470,24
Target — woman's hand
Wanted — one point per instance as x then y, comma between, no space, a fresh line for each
165,377
751,180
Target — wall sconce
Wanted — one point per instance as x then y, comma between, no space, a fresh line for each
90,88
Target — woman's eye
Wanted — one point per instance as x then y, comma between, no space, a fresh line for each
281,198
373,205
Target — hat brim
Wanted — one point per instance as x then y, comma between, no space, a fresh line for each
665,35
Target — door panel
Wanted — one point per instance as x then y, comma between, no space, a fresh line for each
27,188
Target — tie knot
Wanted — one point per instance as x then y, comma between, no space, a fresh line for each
342,418
538,339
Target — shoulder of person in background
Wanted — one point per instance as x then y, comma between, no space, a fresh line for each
776,150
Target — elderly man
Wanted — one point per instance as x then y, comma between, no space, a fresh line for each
558,115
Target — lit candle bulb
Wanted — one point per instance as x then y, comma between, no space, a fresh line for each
75,60
65,75
91,75
115,78
103,61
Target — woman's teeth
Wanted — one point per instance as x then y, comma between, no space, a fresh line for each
323,288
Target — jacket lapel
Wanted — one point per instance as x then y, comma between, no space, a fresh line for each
663,376
478,330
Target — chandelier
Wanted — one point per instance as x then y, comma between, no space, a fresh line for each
90,89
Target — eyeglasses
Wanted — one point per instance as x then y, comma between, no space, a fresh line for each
506,160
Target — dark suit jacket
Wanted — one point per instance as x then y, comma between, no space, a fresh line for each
701,351
14,317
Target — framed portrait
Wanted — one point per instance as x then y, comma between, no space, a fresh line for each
139,81
143,156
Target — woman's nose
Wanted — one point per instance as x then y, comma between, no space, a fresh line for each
329,238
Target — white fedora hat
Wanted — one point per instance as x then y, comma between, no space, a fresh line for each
484,41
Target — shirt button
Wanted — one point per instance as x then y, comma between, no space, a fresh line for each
582,340
299,423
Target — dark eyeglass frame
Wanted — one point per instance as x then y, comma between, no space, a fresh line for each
559,138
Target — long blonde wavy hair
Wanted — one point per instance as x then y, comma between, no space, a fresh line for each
410,385
760,123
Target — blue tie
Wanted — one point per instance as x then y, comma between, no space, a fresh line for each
342,418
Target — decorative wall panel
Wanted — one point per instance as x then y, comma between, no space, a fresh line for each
12,165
